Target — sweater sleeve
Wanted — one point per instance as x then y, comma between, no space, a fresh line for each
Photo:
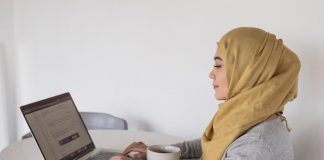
190,149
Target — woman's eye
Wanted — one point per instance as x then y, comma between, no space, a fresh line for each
217,66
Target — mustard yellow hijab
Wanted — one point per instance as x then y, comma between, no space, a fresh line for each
262,77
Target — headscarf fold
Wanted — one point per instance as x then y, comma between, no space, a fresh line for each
262,76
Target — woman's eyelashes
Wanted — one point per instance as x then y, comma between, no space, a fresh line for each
217,66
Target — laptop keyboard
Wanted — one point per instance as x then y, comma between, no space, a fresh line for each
103,155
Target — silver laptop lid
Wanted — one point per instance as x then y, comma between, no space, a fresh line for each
58,128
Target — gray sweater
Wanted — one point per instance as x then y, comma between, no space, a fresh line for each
268,140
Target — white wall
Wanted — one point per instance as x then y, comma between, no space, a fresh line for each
148,61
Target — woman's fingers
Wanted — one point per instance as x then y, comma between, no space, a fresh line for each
119,158
136,147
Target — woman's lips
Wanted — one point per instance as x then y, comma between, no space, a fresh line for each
215,86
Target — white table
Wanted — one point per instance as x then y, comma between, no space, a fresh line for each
27,149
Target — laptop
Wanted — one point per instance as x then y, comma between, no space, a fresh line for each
59,130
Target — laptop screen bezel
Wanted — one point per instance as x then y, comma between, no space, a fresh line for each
42,104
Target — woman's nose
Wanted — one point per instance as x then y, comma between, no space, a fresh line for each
211,74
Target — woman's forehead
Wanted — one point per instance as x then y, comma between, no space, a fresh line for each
218,56
220,52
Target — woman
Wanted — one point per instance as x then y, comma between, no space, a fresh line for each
256,75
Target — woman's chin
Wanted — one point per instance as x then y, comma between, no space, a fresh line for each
219,97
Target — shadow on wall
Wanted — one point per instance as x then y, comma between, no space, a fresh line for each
308,143
3,109
8,104
311,76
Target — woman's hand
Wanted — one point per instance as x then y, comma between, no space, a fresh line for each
120,158
138,147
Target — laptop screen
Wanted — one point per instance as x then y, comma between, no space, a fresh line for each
58,128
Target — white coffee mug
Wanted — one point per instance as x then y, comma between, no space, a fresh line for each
163,152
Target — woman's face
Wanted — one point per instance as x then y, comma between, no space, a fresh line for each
218,75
